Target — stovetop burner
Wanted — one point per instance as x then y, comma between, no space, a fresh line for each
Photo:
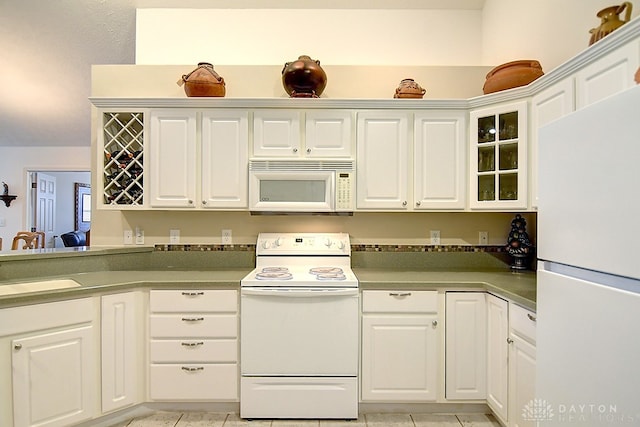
328,273
274,273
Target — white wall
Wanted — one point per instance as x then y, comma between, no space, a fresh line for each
333,36
550,31
15,162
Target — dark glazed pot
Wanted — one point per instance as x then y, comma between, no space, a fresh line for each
512,74
203,81
304,78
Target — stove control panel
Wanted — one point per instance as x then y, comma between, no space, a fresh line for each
303,244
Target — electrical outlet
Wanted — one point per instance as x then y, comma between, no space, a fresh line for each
435,237
226,237
483,237
139,236
128,237
174,236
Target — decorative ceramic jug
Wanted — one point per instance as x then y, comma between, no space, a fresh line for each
512,74
304,78
610,21
203,81
408,88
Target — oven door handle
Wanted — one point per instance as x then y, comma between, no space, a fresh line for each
300,293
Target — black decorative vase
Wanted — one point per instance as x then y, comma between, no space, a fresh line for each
304,78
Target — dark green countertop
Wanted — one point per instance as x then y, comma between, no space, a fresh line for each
518,287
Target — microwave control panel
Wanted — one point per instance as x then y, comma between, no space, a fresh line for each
345,190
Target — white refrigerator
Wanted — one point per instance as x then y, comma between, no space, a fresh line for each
588,300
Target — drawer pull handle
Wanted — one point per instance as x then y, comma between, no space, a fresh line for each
192,319
192,344
399,294
509,340
531,317
192,294
192,368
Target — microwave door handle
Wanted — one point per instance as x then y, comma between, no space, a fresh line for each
300,293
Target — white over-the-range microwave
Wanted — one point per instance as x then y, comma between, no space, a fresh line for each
301,186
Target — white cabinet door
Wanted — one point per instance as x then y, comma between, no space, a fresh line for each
498,157
382,153
549,105
276,133
466,346
54,378
609,75
225,157
328,133
497,356
439,160
173,158
120,383
399,357
522,374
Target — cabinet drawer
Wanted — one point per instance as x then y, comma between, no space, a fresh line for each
399,301
194,350
193,300
194,382
193,325
522,322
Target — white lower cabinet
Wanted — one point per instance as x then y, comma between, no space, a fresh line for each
400,346
54,375
522,366
498,356
193,345
121,349
466,346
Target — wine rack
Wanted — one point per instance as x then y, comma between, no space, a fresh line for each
123,135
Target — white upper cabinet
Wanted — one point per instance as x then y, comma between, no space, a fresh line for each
198,160
172,155
608,75
382,150
328,133
439,160
498,157
276,133
546,106
295,133
224,159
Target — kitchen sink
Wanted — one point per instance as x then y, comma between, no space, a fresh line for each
44,285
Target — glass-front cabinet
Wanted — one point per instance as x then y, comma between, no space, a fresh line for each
121,158
498,178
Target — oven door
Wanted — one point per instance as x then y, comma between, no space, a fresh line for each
292,191
299,332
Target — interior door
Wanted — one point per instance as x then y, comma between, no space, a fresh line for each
44,208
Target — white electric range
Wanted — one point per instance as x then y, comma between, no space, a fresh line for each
300,328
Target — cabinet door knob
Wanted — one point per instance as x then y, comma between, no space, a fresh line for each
418,203
434,323
295,150
308,150
17,346
532,318
190,202
204,202
404,203
509,340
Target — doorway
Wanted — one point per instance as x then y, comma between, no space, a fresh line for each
52,205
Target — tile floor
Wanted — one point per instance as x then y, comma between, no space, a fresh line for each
215,419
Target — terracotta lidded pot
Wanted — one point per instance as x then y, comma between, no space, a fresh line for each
408,88
512,74
610,21
203,81
304,78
